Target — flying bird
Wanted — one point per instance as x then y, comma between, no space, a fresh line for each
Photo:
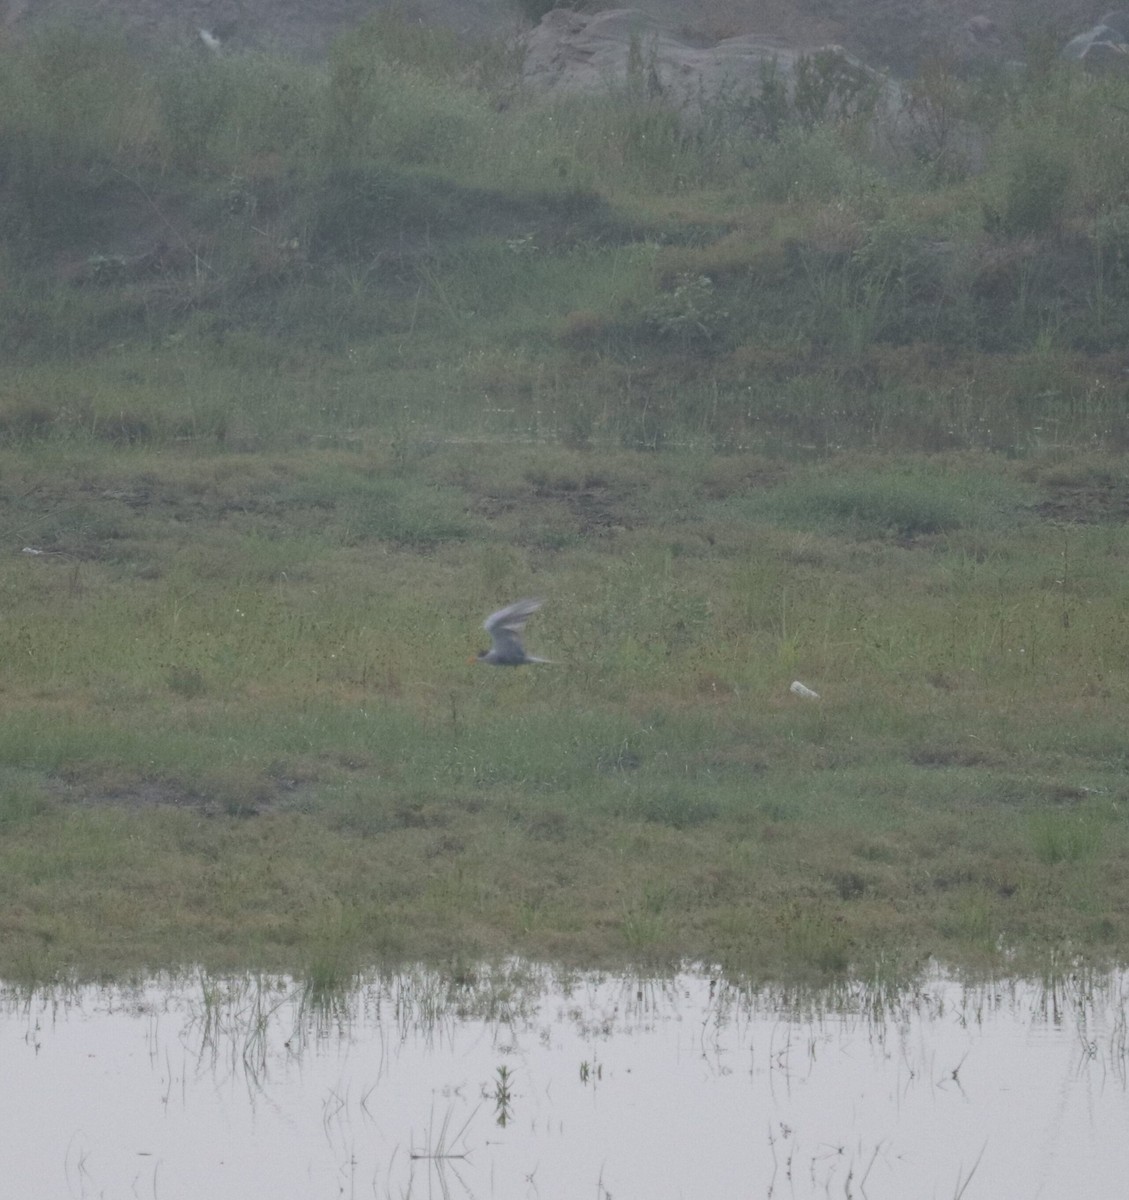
504,628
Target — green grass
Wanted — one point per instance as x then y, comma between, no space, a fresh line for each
901,504
227,723
299,390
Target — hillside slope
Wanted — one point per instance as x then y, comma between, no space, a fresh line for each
893,33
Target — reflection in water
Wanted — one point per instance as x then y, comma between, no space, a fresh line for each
525,1082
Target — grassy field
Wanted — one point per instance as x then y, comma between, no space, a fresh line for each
285,418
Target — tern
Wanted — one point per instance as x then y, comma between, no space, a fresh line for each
504,628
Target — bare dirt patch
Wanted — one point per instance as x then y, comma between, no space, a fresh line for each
594,506
1086,504
148,794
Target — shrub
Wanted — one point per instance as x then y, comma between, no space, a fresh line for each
673,806
1035,191
195,96
898,505
1064,837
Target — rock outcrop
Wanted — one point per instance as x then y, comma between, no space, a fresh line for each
571,53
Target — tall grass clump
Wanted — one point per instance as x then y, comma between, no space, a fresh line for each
1035,190
21,803
73,107
632,144
399,109
1064,837
196,96
902,504
677,806
372,506
815,163
247,117
1060,151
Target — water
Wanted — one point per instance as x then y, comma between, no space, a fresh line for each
528,1083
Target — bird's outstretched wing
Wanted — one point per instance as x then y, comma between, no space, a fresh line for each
505,626
513,616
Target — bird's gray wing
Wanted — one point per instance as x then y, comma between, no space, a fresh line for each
513,616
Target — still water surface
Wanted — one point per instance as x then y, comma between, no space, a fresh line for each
530,1083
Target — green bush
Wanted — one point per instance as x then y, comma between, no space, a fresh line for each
898,504
196,98
679,808
1064,837
811,165
1035,191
